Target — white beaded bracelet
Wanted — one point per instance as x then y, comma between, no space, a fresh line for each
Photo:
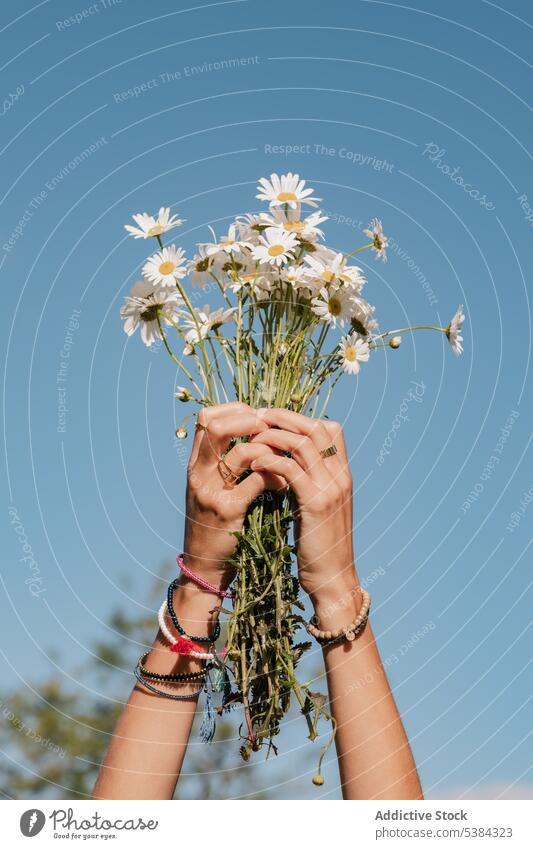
177,641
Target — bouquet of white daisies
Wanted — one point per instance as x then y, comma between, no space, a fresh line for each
291,318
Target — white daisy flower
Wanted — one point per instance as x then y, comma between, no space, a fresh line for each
206,320
165,266
149,226
453,331
275,246
141,308
375,232
257,280
200,267
295,275
330,267
333,305
228,244
362,311
291,222
353,350
183,394
287,189
252,225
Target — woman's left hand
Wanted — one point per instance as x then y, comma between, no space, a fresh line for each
322,488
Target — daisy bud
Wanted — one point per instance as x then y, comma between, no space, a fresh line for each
181,433
183,394
318,780
295,399
395,342
188,350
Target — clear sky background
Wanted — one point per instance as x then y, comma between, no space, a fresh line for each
390,104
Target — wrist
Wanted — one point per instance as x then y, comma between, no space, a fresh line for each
338,600
217,572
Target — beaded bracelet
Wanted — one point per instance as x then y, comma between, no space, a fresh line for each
201,581
170,606
347,632
179,698
171,677
181,645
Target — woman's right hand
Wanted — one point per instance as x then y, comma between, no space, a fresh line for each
214,510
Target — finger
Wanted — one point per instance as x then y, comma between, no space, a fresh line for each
241,455
288,420
257,483
302,449
336,437
315,429
239,458
206,415
222,429
291,471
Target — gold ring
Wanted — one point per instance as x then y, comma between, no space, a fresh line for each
329,452
227,474
200,426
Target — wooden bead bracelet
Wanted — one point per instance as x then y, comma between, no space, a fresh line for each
171,677
347,632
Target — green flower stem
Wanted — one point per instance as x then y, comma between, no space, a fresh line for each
217,366
414,327
180,365
200,339
358,250
238,358
222,290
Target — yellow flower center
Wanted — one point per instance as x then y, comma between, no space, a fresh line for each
350,354
334,306
294,225
328,276
276,250
286,197
166,268
227,243
156,231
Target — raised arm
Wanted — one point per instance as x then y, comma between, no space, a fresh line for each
375,758
146,752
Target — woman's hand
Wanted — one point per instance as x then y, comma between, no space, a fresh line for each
322,488
213,509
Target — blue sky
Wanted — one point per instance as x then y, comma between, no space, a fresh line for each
408,112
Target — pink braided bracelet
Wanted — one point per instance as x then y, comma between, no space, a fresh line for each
201,581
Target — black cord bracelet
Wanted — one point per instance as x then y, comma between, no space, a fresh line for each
171,677
170,604
187,697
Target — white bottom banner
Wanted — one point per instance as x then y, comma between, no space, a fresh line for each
304,823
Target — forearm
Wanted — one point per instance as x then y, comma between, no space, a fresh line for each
375,759
148,746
